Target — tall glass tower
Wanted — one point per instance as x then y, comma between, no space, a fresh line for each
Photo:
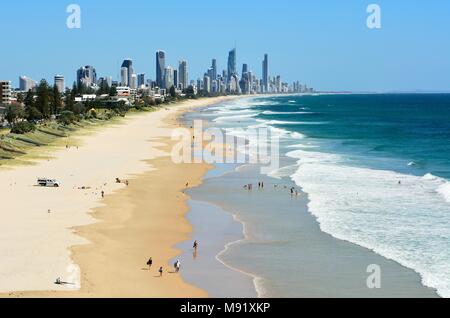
266,73
231,64
128,64
183,74
160,67
214,69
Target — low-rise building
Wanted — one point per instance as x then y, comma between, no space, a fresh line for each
85,98
5,92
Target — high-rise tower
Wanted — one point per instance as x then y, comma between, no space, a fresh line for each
231,64
128,64
265,72
183,75
160,67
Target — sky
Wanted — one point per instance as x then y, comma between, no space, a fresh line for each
325,44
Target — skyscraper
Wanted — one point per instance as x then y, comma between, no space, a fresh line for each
124,76
59,83
214,70
175,78
25,83
244,68
86,76
207,84
108,80
141,80
128,64
133,83
231,64
168,77
245,81
160,67
266,73
183,75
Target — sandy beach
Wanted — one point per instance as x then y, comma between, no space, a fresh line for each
73,233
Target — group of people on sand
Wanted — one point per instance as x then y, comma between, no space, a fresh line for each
293,190
250,186
176,265
126,182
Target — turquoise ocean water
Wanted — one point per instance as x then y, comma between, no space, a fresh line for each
375,168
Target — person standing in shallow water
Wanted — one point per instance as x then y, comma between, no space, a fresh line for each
150,263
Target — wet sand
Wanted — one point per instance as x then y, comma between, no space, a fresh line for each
104,243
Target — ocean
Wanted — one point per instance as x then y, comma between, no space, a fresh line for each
374,171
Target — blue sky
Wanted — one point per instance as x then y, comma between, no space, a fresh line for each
323,43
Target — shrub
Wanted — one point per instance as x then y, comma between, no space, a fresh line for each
79,108
67,118
23,128
92,114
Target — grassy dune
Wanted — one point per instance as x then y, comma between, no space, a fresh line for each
25,149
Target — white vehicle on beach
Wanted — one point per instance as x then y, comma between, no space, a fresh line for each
43,182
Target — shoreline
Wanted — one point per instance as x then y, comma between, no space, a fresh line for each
409,282
130,225
149,166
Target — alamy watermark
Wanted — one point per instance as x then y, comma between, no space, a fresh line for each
74,19
215,146
374,279
374,18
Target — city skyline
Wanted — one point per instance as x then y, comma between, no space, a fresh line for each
166,76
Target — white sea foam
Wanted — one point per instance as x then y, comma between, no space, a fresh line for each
283,122
407,222
235,112
297,135
269,112
302,146
234,118
278,122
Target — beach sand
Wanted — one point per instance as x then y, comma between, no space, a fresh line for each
71,232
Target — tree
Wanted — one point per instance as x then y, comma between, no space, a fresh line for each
173,92
56,102
20,98
190,93
31,112
113,91
104,88
43,99
13,113
70,98
79,108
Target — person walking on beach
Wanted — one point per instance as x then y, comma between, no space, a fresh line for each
177,266
103,194
195,246
161,270
150,263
